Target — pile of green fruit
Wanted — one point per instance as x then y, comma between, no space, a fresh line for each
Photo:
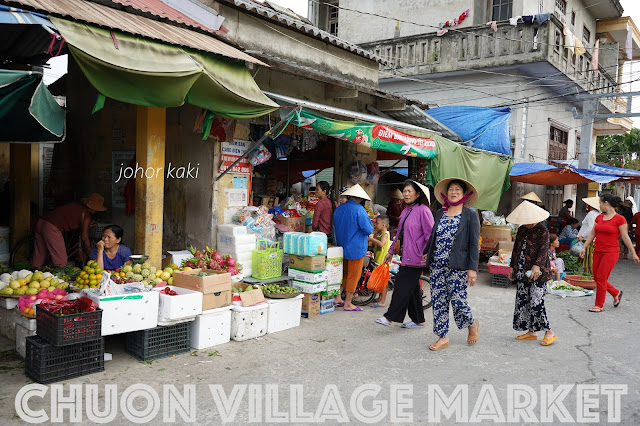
277,289
240,290
68,273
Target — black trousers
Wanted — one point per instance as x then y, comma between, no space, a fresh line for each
407,296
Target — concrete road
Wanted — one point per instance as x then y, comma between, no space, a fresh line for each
343,367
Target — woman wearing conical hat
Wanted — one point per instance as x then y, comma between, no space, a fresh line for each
395,207
530,268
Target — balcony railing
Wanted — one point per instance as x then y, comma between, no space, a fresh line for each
480,47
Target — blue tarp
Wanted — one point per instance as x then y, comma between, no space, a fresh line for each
483,128
602,168
544,174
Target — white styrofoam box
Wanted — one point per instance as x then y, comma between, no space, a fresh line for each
8,323
237,240
187,303
28,323
310,288
228,229
21,339
130,312
335,252
8,302
236,251
308,277
284,314
169,323
211,328
250,322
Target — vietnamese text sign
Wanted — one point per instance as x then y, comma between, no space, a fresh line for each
231,151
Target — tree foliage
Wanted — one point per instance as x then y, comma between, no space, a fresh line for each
613,148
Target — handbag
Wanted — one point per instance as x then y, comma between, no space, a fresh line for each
397,248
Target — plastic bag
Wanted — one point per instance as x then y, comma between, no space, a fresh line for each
66,307
357,172
379,278
576,248
259,156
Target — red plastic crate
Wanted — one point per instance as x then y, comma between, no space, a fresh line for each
498,269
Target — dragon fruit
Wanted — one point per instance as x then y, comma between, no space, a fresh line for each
214,265
230,262
217,257
233,270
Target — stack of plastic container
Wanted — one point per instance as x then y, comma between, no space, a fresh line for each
238,242
307,261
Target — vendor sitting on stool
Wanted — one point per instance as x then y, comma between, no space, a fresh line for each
108,252
570,232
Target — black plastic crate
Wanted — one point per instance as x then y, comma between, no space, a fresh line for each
498,280
62,330
46,363
159,342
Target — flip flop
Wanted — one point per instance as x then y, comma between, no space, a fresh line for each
475,335
526,336
356,309
438,346
383,321
596,309
412,324
377,305
340,305
619,297
549,340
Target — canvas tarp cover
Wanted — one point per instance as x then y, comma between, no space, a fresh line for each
145,72
28,112
484,128
487,172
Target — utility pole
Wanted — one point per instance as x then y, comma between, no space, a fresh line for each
588,116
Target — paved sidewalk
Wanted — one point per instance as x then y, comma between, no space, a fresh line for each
347,349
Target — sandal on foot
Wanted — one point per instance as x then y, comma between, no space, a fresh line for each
377,305
339,305
619,298
412,324
596,309
526,336
438,346
549,340
384,321
472,339
355,309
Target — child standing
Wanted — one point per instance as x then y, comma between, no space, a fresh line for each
381,240
557,264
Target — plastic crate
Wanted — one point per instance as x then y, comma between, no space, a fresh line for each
159,342
45,363
495,268
499,280
62,330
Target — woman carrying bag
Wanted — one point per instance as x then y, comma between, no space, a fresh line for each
416,222
453,255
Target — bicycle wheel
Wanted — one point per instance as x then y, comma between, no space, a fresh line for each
22,253
426,296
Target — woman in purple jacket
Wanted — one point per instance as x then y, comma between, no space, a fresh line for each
452,255
416,222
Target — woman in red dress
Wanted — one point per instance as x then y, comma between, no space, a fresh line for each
608,228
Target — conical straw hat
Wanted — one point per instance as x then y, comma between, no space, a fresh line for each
397,194
527,213
594,202
356,191
441,188
424,190
532,196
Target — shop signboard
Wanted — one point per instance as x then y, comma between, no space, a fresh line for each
367,134
231,151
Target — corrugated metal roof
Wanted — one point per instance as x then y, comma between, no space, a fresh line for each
162,10
108,17
268,12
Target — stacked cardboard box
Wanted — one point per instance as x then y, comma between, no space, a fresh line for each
215,288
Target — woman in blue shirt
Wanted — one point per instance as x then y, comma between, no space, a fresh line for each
108,252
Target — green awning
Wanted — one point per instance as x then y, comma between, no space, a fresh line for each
28,112
140,71
489,173
371,135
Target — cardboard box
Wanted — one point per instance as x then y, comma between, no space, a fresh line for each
331,290
219,281
307,263
252,297
216,300
295,224
505,245
310,288
307,277
310,305
493,235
